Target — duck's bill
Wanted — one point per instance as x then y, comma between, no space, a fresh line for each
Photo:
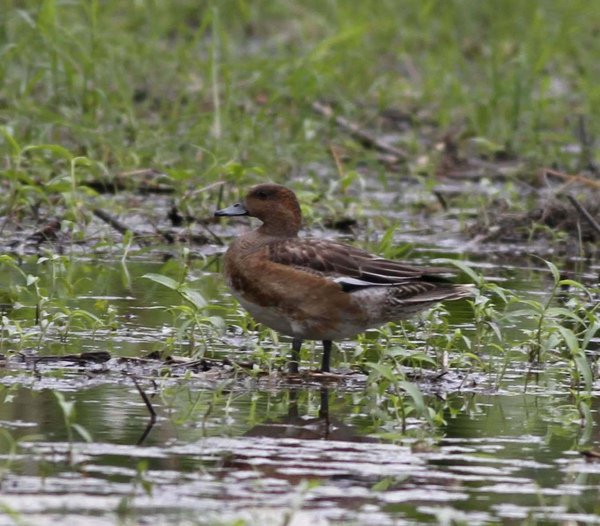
237,209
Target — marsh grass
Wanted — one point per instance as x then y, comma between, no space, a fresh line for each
192,86
209,92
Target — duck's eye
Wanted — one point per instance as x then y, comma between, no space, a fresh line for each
262,194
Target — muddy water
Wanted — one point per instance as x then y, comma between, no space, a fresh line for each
235,448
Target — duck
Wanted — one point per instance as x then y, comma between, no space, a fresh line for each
320,289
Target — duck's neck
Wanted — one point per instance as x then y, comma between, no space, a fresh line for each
282,221
277,229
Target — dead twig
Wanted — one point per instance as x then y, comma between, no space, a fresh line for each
205,363
365,138
584,213
591,453
130,180
49,232
145,398
217,239
441,199
83,358
150,407
112,221
119,226
571,178
587,144
335,153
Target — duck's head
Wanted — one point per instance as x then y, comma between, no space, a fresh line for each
275,205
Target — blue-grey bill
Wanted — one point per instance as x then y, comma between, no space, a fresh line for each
237,209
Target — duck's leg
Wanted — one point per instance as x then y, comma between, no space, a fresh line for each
296,346
326,356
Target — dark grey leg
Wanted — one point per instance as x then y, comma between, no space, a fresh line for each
296,346
293,412
326,356
324,408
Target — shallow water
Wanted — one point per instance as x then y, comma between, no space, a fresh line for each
263,455
230,447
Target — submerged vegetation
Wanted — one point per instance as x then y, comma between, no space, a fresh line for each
458,133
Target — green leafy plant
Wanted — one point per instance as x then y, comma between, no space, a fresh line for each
191,317
72,427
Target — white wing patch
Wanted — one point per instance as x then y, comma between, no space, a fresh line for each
355,282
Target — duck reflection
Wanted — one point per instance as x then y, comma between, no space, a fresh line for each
301,426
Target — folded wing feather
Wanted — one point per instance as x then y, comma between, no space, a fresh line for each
349,266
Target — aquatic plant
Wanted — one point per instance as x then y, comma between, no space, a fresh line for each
195,324
72,427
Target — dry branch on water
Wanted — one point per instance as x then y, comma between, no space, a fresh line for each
569,178
143,180
584,214
365,138
550,217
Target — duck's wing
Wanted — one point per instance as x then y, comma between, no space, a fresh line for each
350,266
